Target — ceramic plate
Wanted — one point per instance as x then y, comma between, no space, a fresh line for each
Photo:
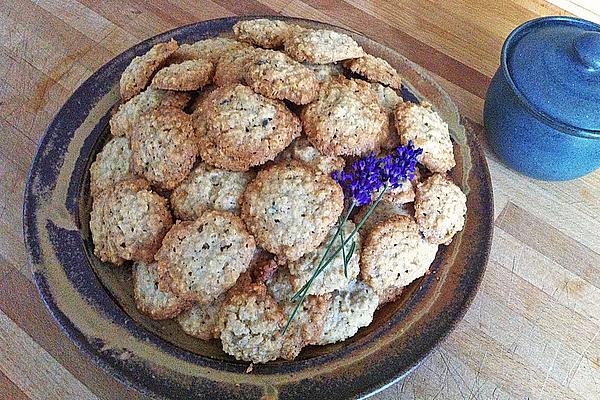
93,301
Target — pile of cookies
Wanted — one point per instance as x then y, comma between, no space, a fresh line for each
216,183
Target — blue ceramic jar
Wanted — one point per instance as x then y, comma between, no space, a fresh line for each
542,109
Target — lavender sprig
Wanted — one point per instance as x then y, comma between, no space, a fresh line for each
364,179
323,264
345,259
367,176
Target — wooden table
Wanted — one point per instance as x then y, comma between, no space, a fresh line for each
533,329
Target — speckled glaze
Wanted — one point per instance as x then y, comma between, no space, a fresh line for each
93,301
541,109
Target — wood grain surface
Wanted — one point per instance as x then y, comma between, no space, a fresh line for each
533,330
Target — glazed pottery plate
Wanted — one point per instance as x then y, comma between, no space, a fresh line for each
93,301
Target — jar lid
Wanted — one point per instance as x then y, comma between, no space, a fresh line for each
554,63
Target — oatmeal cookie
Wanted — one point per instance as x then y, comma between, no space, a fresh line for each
238,129
275,75
383,212
163,147
111,165
189,75
232,65
346,119
375,69
251,324
348,311
324,72
294,28
402,194
279,282
201,319
199,98
262,32
200,260
388,99
440,209
138,73
426,129
308,323
150,299
321,46
389,295
290,209
129,113
333,277
395,254
302,150
129,222
207,49
209,188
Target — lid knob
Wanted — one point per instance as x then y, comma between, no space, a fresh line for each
587,47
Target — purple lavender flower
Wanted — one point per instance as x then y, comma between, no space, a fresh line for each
364,178
368,175
407,159
392,173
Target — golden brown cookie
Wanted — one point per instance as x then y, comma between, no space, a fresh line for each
201,319
324,72
404,193
200,260
129,113
232,65
150,299
208,49
308,323
333,277
262,32
111,165
163,147
129,222
209,188
427,130
138,73
189,75
290,208
302,150
238,129
345,119
321,46
375,69
275,75
348,311
400,195
389,295
395,254
384,211
199,98
440,208
251,324
388,99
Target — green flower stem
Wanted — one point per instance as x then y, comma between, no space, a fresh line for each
329,246
351,252
344,252
339,231
322,265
